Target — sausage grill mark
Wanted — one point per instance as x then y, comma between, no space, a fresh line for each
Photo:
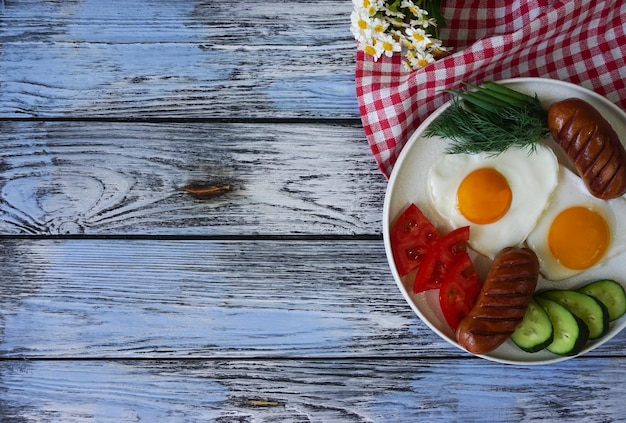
591,144
502,302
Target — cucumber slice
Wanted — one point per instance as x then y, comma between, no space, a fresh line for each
570,333
534,332
609,293
591,311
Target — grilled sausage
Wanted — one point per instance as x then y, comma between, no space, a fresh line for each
503,299
591,144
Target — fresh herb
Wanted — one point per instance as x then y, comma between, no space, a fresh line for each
491,118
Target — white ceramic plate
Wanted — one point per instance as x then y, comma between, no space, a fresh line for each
407,185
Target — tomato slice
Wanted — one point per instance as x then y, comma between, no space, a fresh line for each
411,237
444,253
459,290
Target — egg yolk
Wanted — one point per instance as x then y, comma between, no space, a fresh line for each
484,196
578,237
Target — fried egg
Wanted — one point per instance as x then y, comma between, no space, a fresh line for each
499,196
577,231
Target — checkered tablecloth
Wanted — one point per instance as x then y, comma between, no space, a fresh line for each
583,42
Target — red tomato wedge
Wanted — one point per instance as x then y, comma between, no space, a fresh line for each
412,236
442,256
459,290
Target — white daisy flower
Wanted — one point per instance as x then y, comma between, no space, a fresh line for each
389,44
422,59
373,48
361,25
418,38
417,12
379,26
369,6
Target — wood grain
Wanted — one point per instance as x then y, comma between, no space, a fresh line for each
195,298
130,178
177,60
242,23
310,391
218,299
174,81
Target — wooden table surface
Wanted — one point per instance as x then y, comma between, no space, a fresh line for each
190,228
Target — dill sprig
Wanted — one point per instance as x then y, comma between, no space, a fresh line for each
491,118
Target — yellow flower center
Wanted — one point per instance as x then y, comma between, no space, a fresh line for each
422,62
362,24
379,28
370,50
418,37
387,46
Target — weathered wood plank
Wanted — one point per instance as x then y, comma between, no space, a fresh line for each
177,60
237,23
195,298
129,298
174,81
590,390
126,178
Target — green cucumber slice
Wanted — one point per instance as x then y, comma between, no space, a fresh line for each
534,333
570,333
591,311
609,293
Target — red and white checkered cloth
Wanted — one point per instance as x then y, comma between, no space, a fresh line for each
583,42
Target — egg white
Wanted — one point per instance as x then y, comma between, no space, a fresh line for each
571,191
531,176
